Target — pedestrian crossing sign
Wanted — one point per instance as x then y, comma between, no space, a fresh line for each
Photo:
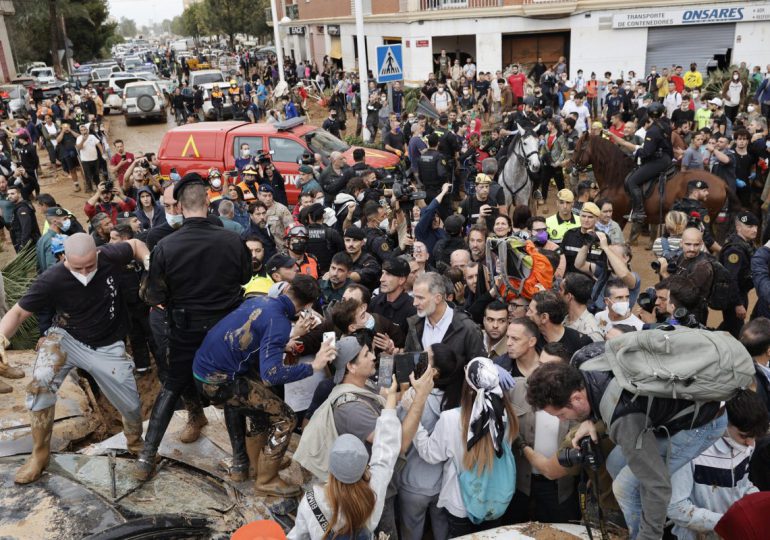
389,63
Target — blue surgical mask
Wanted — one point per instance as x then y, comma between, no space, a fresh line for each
175,220
66,224
370,323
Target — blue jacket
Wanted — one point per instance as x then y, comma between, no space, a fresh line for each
158,216
424,231
763,92
760,275
254,333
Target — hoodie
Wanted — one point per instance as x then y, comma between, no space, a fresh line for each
159,213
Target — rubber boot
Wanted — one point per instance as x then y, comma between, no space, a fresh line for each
268,482
254,446
10,372
42,427
5,388
160,417
236,430
196,419
133,433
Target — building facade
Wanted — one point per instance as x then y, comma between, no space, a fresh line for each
594,35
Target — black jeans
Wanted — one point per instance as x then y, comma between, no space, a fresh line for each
730,322
647,171
544,496
140,335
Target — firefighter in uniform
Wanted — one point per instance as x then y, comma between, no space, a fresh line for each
736,257
197,273
296,244
433,172
216,190
250,183
692,205
233,92
655,154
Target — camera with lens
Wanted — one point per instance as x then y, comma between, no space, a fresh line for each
591,239
685,318
405,192
587,453
109,185
647,299
671,266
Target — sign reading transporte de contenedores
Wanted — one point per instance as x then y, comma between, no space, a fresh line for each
748,12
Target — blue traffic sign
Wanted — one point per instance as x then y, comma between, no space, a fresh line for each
389,63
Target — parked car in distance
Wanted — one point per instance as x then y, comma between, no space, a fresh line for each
114,90
143,99
15,96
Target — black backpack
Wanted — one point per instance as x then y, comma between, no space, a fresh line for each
723,293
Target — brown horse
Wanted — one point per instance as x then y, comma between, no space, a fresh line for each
611,166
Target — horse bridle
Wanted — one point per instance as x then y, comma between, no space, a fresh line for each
523,158
576,156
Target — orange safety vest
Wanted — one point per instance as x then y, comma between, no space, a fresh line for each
309,266
215,195
247,193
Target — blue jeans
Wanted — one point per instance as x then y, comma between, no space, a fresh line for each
685,446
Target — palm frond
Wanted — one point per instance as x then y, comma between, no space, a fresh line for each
18,275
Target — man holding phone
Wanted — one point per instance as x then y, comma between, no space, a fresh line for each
120,161
480,208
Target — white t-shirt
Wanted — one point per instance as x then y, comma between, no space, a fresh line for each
603,318
88,152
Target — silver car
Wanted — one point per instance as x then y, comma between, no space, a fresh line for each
16,99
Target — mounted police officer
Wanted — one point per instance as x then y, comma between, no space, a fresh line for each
736,257
655,156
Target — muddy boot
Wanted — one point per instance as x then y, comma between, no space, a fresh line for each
268,482
133,433
254,446
42,426
161,415
236,430
10,372
5,388
196,419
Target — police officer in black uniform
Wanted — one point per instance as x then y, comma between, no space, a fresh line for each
692,205
323,241
197,274
655,154
449,148
378,242
433,173
736,258
365,270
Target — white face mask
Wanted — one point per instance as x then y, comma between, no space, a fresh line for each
84,280
621,308
246,153
175,220
751,108
216,183
360,197
384,224
735,78
66,224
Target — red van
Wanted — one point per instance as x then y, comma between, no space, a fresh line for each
198,147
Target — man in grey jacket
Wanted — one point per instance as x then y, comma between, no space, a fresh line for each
436,322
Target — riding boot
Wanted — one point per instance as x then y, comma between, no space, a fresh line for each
637,204
196,419
42,427
133,433
10,372
268,482
160,417
236,430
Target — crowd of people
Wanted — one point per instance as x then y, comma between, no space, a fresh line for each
431,389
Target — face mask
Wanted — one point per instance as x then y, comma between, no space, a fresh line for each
384,224
298,246
695,95
540,238
175,220
621,308
652,72
370,323
735,444
66,224
360,197
84,280
245,153
736,78
216,183
751,108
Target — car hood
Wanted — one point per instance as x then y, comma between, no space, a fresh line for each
379,159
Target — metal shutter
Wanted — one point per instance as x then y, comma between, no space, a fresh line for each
682,45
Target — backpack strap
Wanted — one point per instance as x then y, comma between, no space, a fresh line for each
609,401
322,521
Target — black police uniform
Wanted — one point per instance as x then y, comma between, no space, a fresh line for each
379,244
573,242
24,228
449,148
369,269
656,154
691,207
433,172
397,311
736,258
323,242
197,274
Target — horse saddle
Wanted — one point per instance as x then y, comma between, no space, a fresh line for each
649,185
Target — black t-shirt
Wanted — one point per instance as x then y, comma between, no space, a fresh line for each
678,115
94,314
572,340
395,140
573,241
471,207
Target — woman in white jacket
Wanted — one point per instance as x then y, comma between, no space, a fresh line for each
350,504
467,436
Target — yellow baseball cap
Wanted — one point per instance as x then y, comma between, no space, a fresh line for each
565,195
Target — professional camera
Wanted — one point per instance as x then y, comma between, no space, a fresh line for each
587,454
405,192
647,299
591,238
685,318
671,266
109,185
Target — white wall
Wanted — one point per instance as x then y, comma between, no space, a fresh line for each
489,52
418,61
754,45
592,49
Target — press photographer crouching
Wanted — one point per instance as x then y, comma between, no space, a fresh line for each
681,305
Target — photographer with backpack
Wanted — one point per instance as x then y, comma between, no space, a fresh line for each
655,429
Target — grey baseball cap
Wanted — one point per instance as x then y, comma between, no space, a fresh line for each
348,459
347,350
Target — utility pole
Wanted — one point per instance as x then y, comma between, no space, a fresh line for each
277,38
363,70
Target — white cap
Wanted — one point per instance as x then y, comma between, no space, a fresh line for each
716,101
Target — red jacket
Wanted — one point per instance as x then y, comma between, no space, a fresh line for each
112,208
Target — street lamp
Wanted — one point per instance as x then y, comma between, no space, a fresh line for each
277,39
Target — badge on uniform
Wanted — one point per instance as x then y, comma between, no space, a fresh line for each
733,258
384,246
706,219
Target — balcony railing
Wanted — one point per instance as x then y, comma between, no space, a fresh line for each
458,4
530,2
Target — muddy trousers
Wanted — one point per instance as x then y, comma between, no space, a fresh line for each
108,365
251,399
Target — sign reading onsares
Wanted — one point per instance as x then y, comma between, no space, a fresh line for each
677,17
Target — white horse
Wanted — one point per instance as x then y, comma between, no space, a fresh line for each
522,159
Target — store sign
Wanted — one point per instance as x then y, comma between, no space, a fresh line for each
333,29
677,17
296,30
422,43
